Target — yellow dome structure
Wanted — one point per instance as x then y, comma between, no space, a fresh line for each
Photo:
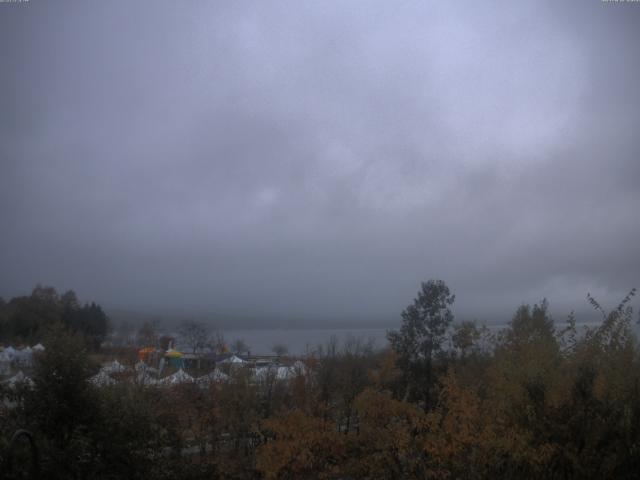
174,358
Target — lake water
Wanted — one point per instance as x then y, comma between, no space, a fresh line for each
300,341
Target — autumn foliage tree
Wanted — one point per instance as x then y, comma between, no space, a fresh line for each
421,337
301,446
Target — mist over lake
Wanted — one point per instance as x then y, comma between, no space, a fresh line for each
300,341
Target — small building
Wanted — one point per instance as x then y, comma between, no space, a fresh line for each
145,353
231,358
174,358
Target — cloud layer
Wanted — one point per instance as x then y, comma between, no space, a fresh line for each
317,161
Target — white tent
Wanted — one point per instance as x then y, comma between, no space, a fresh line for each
146,375
9,353
102,379
298,368
5,363
262,373
143,378
143,367
5,367
113,367
213,377
179,377
19,378
24,357
277,372
233,359
38,347
283,373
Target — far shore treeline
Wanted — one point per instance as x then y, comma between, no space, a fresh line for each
539,399
25,319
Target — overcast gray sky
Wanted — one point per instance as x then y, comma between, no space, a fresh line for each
314,161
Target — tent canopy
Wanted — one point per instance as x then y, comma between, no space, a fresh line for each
179,377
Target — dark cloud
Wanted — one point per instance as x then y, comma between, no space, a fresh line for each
317,161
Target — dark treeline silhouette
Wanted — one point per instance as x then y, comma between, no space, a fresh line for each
445,400
25,319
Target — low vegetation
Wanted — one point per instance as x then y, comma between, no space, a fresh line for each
444,400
